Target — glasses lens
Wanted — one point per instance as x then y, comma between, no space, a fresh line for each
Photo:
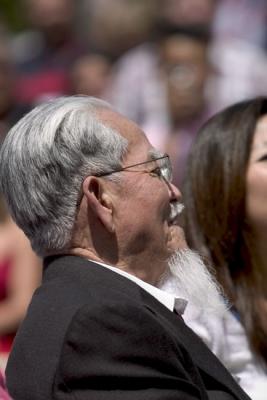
166,169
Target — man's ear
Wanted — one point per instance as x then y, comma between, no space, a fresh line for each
99,201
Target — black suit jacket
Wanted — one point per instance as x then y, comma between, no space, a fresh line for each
92,334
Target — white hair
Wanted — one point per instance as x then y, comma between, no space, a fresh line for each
189,278
43,161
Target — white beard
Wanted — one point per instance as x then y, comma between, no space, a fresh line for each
189,279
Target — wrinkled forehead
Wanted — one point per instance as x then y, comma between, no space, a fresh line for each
138,144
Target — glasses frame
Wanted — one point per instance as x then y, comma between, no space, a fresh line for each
168,181
136,165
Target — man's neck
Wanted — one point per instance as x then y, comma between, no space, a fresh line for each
136,269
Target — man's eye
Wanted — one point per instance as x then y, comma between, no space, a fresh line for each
156,172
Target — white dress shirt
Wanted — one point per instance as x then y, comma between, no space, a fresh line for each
226,338
169,300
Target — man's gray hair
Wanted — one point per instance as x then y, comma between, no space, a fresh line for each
44,160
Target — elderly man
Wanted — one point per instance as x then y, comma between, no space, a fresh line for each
97,202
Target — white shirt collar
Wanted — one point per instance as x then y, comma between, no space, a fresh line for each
167,299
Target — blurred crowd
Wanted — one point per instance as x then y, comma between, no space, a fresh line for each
166,64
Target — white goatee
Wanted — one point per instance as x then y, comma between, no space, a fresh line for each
189,279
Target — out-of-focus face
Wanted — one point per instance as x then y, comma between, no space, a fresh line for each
90,75
185,68
47,14
143,202
256,199
118,25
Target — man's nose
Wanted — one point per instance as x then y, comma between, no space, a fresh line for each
175,193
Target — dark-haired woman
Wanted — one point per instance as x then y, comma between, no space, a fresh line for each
225,194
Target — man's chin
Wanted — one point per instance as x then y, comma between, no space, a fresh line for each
176,240
187,277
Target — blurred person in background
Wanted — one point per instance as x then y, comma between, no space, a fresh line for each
115,26
155,80
237,49
225,190
20,274
91,75
185,72
10,110
45,54
164,86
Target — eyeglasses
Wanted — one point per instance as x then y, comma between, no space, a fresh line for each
163,168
